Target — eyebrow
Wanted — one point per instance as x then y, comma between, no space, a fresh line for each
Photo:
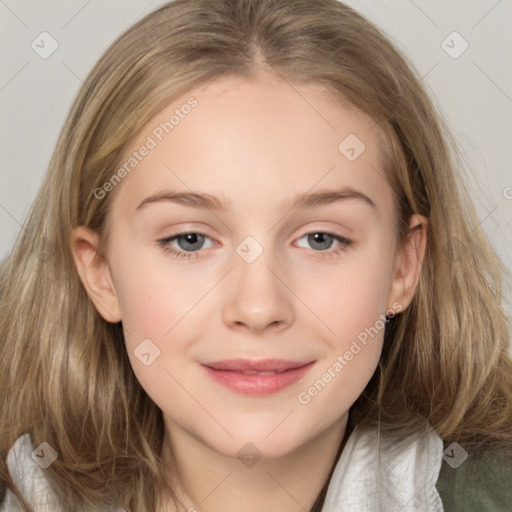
211,202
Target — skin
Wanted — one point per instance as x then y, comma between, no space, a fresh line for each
257,143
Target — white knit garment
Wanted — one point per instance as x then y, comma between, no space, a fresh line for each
374,474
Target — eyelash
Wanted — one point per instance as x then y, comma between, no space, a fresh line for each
345,243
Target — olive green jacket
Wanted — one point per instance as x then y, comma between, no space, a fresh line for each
482,483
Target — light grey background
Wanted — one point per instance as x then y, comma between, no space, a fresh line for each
473,90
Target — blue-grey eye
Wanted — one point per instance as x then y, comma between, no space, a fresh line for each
190,241
319,241
322,241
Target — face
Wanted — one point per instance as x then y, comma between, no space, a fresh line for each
258,227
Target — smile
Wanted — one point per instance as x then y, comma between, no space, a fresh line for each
258,378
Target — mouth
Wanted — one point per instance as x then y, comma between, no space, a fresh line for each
257,377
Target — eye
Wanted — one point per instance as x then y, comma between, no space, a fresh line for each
192,241
188,245
322,241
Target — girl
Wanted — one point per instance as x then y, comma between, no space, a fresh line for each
175,337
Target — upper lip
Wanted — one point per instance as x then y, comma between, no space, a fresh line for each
261,365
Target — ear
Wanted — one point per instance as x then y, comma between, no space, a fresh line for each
408,261
95,273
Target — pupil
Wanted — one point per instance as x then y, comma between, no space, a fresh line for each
323,239
190,239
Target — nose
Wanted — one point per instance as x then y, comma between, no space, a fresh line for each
257,298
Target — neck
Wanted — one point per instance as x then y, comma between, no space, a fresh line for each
209,481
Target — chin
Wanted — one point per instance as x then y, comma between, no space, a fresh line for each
267,443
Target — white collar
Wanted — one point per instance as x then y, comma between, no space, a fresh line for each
373,474
378,474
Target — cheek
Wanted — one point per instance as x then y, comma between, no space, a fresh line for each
351,304
350,296
154,314
354,310
153,298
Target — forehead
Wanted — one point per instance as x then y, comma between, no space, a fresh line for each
255,137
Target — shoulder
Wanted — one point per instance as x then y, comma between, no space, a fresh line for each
386,471
29,477
27,468
475,481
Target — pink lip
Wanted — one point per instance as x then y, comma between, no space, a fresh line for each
230,374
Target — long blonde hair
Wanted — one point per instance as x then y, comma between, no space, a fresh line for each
65,377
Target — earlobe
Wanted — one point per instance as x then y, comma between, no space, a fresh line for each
408,263
95,273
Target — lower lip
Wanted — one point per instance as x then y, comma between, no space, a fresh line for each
258,384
